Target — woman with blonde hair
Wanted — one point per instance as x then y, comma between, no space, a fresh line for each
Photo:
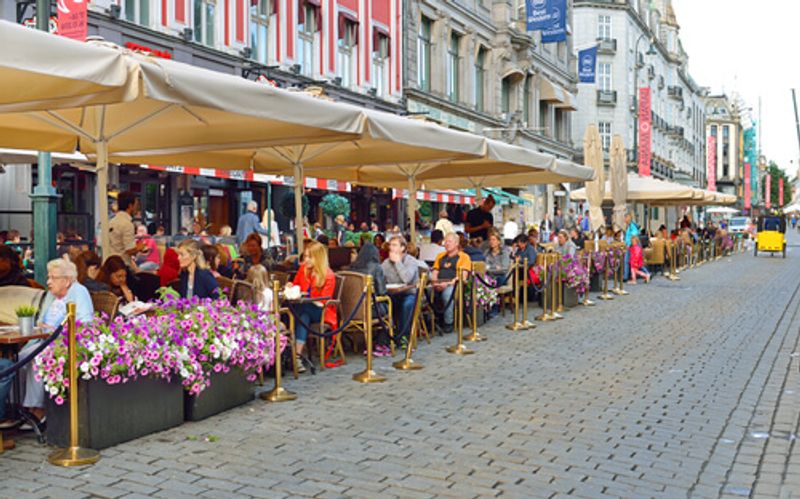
195,277
259,278
316,280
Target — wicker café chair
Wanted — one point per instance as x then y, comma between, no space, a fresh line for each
242,291
655,254
321,327
106,302
226,285
280,276
352,288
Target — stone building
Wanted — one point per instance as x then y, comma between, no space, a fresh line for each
723,121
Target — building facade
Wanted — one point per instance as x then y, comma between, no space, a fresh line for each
723,122
471,65
639,47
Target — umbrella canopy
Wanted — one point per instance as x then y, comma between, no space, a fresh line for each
33,64
647,190
619,180
722,210
596,190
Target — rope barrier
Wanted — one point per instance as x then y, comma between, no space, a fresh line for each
22,362
330,334
494,286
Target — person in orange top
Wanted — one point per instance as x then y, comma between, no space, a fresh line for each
315,279
444,276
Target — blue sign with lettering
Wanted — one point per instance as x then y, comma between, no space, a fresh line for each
556,29
587,64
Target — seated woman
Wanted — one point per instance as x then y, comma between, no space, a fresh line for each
63,287
402,269
195,278
11,271
251,254
211,254
114,274
88,264
498,258
368,262
316,279
380,242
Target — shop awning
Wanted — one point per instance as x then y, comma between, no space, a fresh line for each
451,197
501,197
555,94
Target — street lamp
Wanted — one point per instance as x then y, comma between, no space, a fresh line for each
650,51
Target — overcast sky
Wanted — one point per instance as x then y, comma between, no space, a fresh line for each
749,47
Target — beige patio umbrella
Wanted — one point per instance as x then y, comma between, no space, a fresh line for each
646,190
595,189
619,180
167,107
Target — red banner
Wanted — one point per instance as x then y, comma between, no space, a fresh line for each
711,163
780,191
644,131
768,192
72,19
747,186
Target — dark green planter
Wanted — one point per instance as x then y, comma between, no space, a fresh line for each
596,283
227,390
111,414
570,297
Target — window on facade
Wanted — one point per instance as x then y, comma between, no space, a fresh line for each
205,21
380,64
424,54
726,150
138,11
348,50
307,33
480,79
453,68
713,130
505,95
526,100
605,134
544,119
262,30
603,27
604,76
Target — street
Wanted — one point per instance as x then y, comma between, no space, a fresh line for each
685,388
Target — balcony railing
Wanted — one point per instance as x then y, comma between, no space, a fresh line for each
675,92
606,97
607,45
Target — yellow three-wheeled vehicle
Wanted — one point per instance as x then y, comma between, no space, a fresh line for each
771,236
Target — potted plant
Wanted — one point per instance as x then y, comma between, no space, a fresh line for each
26,315
576,279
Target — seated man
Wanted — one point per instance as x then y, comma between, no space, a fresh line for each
444,276
564,244
401,269
429,251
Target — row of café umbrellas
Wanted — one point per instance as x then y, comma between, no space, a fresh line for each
115,105
656,192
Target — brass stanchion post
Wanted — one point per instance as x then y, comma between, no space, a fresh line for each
606,295
558,298
620,289
517,324
474,336
526,324
408,364
279,393
368,375
74,455
546,293
586,301
459,348
673,275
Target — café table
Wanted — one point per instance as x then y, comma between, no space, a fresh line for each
11,342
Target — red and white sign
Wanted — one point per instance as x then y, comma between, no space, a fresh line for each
72,19
711,163
768,192
747,186
645,131
250,176
451,197
780,191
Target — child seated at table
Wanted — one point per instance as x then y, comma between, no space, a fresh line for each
262,293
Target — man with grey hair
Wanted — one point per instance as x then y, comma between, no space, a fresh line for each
249,223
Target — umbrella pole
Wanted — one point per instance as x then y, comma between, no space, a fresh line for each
102,196
299,183
412,208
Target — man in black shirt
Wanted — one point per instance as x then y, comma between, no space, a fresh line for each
480,219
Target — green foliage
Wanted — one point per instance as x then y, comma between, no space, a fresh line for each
26,311
335,205
426,210
774,171
286,206
167,292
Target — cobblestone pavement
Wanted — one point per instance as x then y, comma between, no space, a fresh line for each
685,388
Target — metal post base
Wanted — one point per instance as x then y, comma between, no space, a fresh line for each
516,326
73,456
605,296
407,365
673,277
544,317
367,376
619,292
278,394
588,303
475,337
557,316
460,350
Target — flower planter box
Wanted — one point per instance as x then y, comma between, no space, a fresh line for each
571,298
596,283
111,414
227,390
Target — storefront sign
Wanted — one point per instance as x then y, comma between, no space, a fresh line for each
148,50
711,163
747,186
72,19
644,131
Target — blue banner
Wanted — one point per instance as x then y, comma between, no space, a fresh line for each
538,14
587,65
556,31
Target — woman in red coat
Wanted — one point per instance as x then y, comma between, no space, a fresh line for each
315,279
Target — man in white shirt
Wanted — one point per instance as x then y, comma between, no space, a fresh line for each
510,231
429,251
122,233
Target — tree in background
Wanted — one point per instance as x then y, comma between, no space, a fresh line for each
334,205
